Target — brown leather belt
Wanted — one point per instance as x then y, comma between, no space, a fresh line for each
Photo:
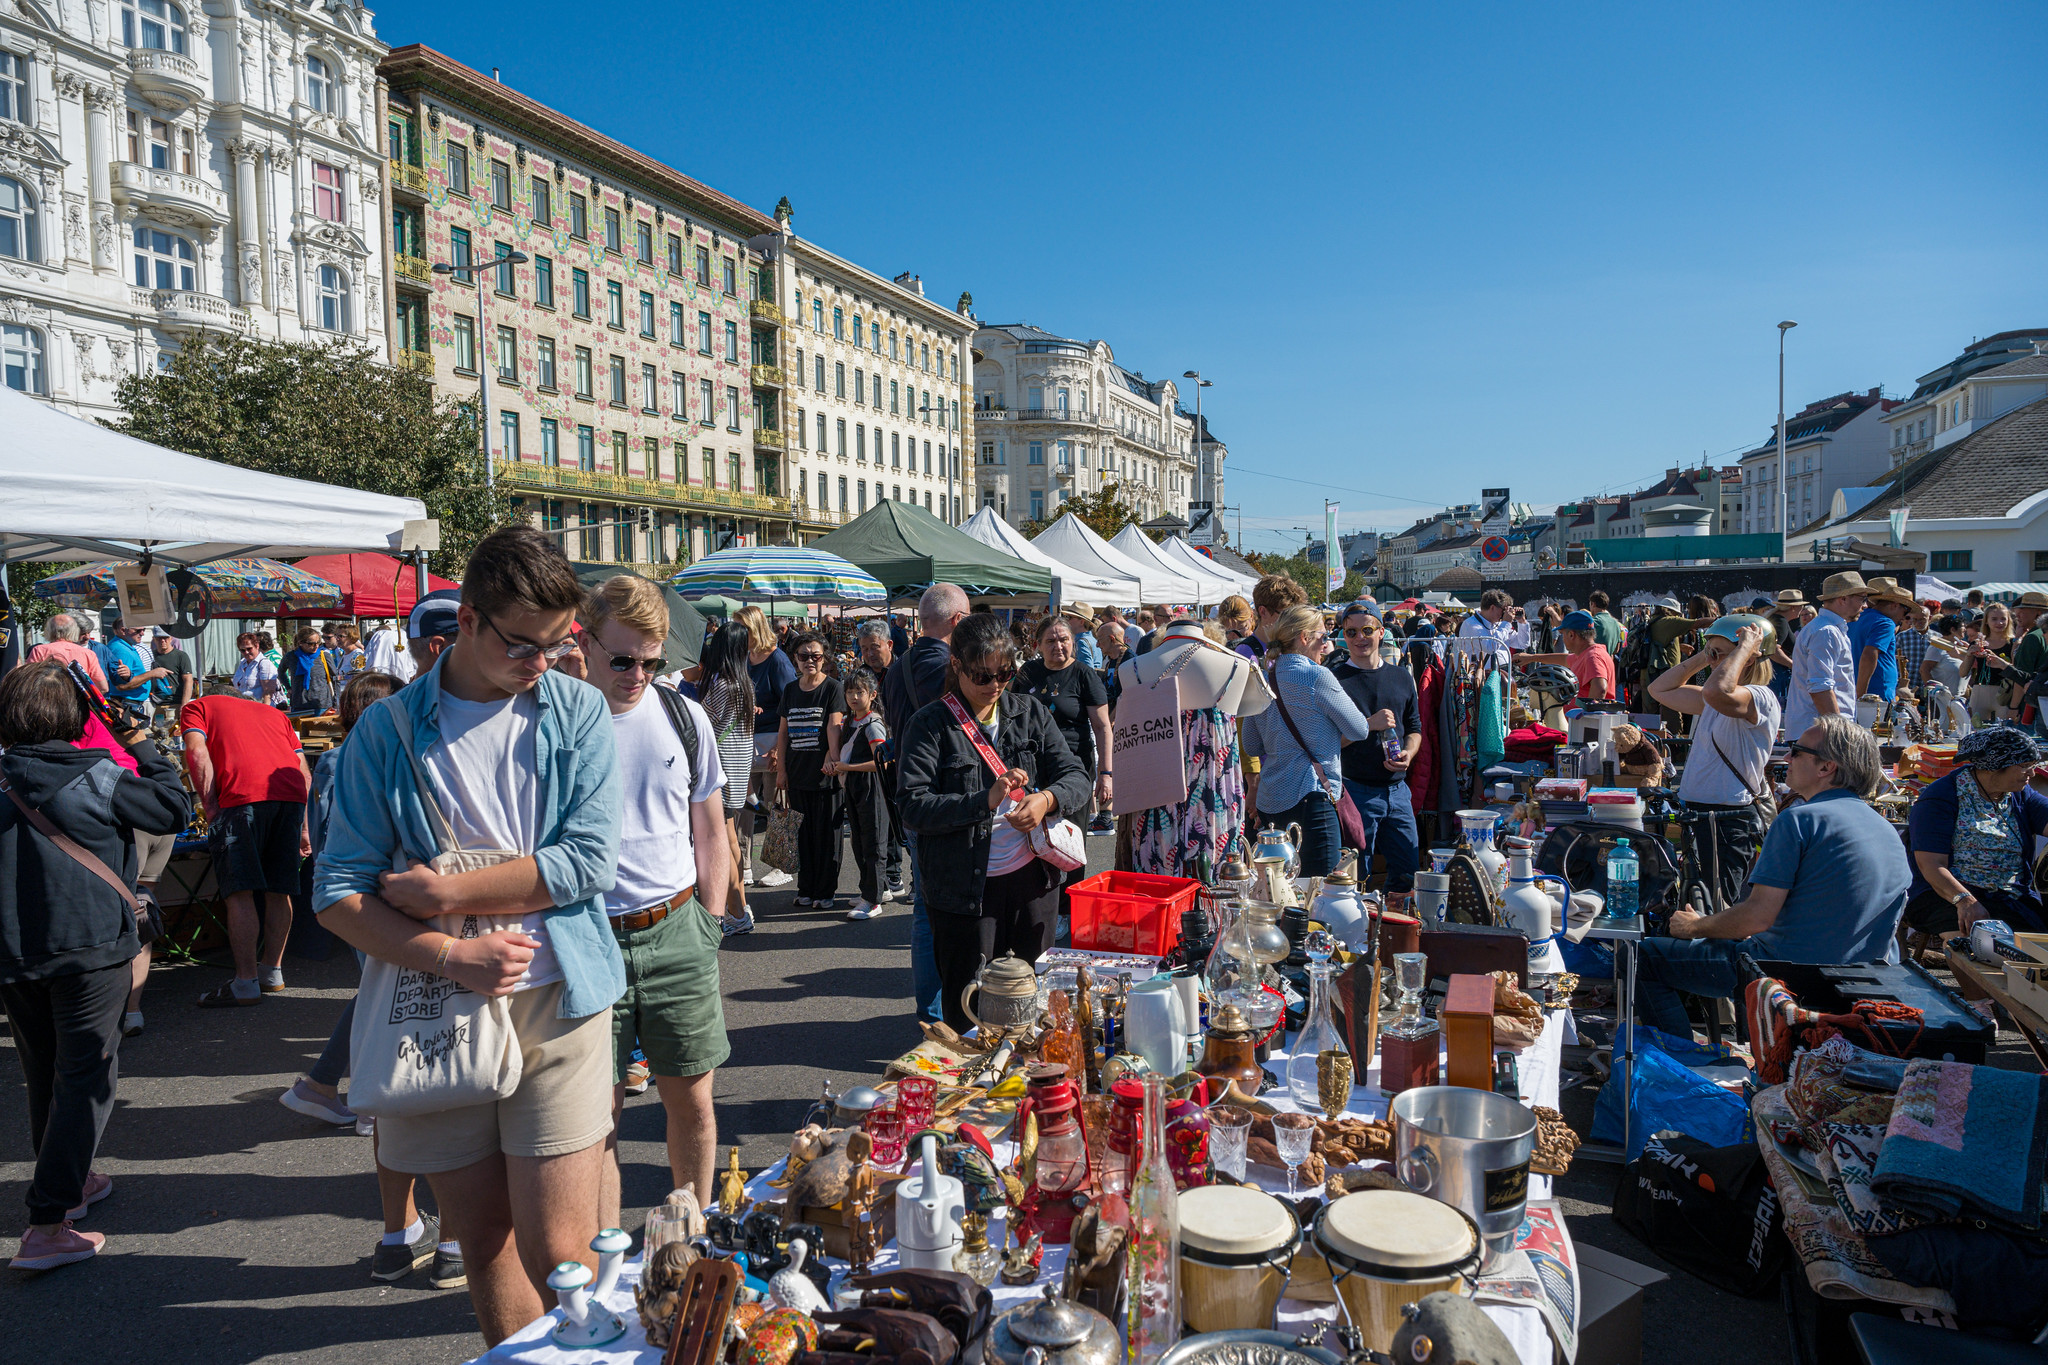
633,921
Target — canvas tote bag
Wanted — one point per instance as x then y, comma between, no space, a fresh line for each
421,1043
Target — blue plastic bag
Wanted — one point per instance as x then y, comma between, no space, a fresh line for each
1668,1094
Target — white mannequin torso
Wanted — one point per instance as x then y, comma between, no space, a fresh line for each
1211,676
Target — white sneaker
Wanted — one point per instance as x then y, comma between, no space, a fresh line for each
774,876
891,893
863,910
131,1023
747,875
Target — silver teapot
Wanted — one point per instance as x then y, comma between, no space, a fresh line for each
1053,1331
1284,844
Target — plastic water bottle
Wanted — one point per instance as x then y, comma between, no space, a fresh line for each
1623,874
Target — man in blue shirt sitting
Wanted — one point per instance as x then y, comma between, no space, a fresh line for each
1829,885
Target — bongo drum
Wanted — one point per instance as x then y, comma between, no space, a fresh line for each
1235,1244
1387,1248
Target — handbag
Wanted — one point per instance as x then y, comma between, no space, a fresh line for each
778,850
149,924
1348,818
1058,841
421,1042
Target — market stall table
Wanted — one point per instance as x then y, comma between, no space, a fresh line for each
1990,982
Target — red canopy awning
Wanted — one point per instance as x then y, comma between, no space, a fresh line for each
367,582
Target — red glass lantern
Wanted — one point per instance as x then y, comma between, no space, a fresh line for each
1062,1156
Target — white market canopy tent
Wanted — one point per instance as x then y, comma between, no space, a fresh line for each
1179,551
1204,590
1069,584
75,490
1070,541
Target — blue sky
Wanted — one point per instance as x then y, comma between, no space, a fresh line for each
1420,249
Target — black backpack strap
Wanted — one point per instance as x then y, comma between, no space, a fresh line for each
685,725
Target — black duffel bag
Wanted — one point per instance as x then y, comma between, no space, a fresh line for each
1707,1210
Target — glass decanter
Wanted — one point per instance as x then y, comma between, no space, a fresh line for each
1318,1036
976,1259
1061,1045
1152,1321
1409,1045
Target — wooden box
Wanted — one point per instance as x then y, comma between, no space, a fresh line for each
1467,1017
2033,945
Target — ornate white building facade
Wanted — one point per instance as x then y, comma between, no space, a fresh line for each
167,168
1054,418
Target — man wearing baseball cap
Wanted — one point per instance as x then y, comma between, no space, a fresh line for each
1585,656
1823,663
433,626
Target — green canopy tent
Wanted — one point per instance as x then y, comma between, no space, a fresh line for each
909,549
686,624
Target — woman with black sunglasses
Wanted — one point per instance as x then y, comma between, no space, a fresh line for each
987,891
813,707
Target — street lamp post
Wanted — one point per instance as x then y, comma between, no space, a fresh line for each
1784,539
486,337
1202,476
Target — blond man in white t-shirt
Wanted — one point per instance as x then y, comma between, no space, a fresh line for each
670,893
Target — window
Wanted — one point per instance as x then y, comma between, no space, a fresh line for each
615,304
875,331
508,353
550,441
842,494
13,87
924,355
732,408
839,377
579,217
679,395
21,358
618,452
839,324
591,542
2040,571
616,369
1957,560
710,467
895,451
732,470
643,242
707,405
579,292
860,442
650,390
704,266
824,492
892,397
842,443
925,411
821,433
611,229
856,332
508,435
878,393
703,333
1035,452
503,270
18,235
163,260
1038,504
153,23
327,191
501,185
458,255
545,363
732,342
646,314
543,202
551,514
465,343
675,254
543,281
892,344
729,278
154,143
818,364
678,330
817,316
586,450
927,459
583,372
458,168
1036,399
623,534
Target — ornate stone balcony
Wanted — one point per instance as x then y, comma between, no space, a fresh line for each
171,81
421,362
413,270
766,439
189,311
169,195
769,377
409,179
763,310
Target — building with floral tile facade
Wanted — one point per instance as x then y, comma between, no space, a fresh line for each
167,168
616,361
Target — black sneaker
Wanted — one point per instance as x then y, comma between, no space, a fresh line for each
448,1272
396,1262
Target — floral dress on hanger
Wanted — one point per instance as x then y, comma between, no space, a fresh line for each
1191,837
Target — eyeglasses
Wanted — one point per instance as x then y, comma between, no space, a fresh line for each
811,656
1360,632
521,649
1797,748
626,663
999,678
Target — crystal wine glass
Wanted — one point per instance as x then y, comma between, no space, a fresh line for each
1292,1135
1229,1127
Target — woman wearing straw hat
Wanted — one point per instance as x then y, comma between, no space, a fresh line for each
1823,664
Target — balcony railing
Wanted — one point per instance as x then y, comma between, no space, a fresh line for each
190,310
630,488
169,74
184,196
764,310
414,269
421,362
768,438
821,516
408,178
769,376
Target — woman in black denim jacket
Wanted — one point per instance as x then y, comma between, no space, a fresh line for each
987,892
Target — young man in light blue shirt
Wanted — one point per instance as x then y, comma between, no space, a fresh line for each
520,760
1823,663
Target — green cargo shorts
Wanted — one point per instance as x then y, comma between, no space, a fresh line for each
671,1007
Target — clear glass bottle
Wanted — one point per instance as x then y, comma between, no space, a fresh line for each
1318,1035
1409,1045
976,1258
1152,1314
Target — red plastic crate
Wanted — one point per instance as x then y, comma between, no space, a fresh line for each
1129,912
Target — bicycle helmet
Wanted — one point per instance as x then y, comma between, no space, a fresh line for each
1555,679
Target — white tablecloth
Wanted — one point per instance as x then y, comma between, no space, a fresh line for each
531,1344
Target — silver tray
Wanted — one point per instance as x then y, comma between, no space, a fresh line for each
1247,1346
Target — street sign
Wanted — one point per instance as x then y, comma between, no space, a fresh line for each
1494,548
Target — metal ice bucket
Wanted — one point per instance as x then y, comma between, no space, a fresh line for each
1471,1149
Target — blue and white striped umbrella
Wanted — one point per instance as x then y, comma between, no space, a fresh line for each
774,573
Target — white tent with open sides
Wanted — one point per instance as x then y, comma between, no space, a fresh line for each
1204,590
1071,541
75,490
1178,551
1069,584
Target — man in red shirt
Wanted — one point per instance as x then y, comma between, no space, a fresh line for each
251,775
1584,655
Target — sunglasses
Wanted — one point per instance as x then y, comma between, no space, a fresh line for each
1360,632
1796,748
626,663
521,649
999,677
811,656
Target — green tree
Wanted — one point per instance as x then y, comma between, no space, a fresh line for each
1104,512
330,414
31,611
1309,574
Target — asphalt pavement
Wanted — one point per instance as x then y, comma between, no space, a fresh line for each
240,1231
